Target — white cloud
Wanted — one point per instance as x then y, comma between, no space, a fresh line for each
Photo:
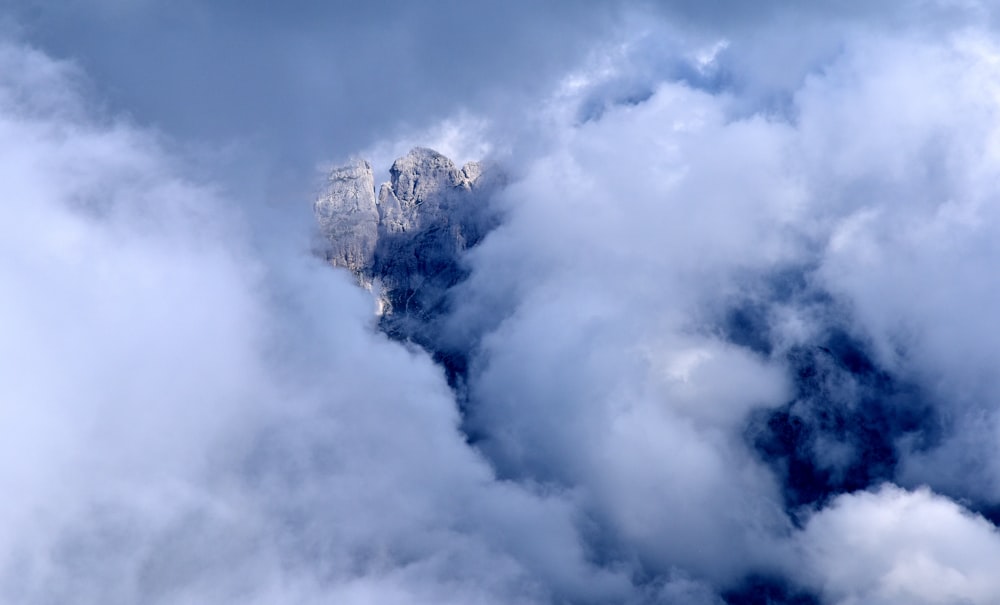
189,417
895,546
194,411
600,367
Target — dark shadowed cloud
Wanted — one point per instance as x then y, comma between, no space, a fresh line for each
311,80
285,86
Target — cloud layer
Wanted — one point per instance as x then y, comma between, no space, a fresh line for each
189,417
678,265
733,340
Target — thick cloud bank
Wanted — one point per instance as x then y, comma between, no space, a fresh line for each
733,341
709,315
187,419
893,546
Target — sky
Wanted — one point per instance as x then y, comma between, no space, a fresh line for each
733,341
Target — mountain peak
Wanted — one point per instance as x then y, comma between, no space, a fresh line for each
409,238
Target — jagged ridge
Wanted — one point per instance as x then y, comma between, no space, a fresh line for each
406,243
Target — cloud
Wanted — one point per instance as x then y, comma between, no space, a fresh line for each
309,81
920,219
896,546
729,285
598,310
596,379
191,417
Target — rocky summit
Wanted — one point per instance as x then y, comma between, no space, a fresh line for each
406,243
348,217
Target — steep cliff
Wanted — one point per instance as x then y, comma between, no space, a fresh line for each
407,244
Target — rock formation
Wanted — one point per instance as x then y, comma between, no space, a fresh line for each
406,244
348,216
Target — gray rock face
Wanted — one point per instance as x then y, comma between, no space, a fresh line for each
348,216
425,188
407,244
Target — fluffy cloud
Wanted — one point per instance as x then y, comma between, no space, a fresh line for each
863,207
695,235
597,378
919,217
188,416
893,546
